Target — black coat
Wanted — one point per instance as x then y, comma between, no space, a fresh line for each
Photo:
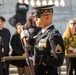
17,50
49,52
21,12
1,71
20,16
5,34
33,30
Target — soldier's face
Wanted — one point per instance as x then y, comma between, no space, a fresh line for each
19,29
38,22
43,20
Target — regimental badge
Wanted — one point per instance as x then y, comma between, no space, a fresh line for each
42,43
58,49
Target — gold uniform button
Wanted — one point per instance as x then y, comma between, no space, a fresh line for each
46,71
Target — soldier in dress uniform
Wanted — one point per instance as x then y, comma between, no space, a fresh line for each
49,47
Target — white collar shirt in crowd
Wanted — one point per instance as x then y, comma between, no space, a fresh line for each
25,33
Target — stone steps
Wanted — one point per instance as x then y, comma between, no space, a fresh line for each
13,70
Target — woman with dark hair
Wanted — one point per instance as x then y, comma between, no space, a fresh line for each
18,50
32,28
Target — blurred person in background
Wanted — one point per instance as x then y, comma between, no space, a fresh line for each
32,29
21,12
18,50
69,37
1,66
5,35
49,46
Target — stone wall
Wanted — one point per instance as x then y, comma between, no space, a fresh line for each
60,18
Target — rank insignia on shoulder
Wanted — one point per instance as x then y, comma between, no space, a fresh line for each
58,49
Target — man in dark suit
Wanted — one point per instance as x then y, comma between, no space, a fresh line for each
5,35
1,73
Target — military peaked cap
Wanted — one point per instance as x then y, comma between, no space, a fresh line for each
43,9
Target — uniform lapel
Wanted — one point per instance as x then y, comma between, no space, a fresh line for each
41,35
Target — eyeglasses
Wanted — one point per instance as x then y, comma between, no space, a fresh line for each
73,23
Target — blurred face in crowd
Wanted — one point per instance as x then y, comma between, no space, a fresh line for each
72,24
1,24
21,1
44,20
31,17
19,29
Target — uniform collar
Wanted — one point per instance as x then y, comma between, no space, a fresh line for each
51,25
